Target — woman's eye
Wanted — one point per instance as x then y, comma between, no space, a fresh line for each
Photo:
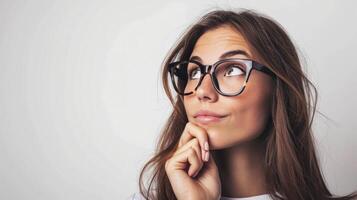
195,73
234,71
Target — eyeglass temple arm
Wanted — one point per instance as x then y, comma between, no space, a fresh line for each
263,68
176,71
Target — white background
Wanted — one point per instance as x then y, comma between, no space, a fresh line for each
81,102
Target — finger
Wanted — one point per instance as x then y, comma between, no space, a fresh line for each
211,165
191,144
194,131
180,160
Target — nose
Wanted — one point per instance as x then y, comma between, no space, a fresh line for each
205,90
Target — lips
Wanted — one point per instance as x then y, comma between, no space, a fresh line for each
206,117
207,113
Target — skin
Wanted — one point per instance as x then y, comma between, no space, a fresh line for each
236,155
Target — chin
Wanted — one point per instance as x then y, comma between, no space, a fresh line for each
220,139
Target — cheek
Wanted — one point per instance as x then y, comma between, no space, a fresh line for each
248,119
243,125
257,105
252,121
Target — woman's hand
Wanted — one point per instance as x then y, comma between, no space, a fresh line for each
201,181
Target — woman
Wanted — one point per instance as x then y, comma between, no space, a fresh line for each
241,124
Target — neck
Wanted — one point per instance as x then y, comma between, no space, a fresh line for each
241,169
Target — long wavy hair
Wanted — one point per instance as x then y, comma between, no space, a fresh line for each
291,164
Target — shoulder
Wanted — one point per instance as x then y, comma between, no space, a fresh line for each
136,196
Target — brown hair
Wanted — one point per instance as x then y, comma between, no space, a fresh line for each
292,167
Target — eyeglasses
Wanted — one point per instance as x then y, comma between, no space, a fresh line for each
229,76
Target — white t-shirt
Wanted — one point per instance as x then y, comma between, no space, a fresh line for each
138,196
258,197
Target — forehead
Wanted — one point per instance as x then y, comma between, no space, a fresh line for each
215,42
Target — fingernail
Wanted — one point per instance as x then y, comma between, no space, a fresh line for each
203,154
207,156
206,146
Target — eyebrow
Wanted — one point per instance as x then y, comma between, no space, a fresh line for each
224,55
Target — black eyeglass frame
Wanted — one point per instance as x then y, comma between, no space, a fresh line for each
210,69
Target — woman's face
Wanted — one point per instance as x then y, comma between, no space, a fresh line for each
245,115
